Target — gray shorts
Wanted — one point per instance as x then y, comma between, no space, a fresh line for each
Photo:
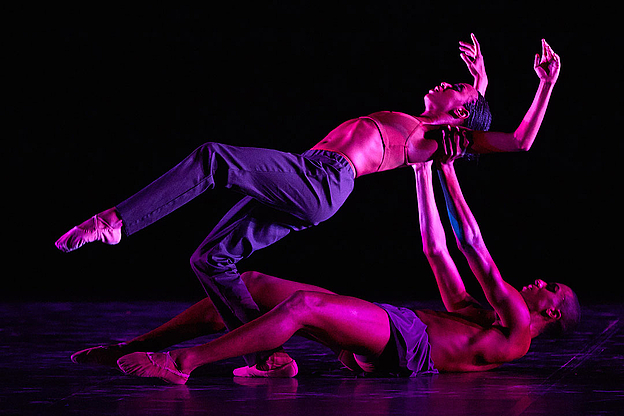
408,351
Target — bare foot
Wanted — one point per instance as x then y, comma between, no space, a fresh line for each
104,227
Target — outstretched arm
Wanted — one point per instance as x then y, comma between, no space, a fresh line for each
471,55
506,301
449,281
547,68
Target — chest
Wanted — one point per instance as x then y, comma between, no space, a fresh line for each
420,147
453,341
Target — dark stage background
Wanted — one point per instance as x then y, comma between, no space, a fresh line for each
104,99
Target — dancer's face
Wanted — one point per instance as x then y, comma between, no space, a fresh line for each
542,296
448,97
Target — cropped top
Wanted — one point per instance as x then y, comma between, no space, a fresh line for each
380,141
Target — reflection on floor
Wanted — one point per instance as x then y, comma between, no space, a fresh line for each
581,375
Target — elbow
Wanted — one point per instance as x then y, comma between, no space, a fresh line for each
523,140
523,146
434,251
470,242
522,143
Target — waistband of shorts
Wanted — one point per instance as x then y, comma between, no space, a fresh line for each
342,161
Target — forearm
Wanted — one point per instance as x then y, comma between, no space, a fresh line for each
462,220
523,137
431,229
450,284
481,83
527,130
469,237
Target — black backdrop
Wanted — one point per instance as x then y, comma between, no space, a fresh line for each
104,99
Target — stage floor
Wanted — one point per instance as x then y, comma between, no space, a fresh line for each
581,375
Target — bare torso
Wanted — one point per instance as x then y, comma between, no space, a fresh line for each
457,338
381,141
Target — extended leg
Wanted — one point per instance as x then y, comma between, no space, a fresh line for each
203,319
351,323
200,319
284,181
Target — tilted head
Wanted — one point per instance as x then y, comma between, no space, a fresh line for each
459,105
554,308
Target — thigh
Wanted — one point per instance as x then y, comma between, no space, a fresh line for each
308,189
346,323
269,291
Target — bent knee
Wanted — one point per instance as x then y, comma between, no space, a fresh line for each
305,301
207,147
252,279
197,260
210,265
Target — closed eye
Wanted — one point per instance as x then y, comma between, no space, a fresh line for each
552,287
458,87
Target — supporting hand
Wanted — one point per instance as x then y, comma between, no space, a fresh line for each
453,145
471,55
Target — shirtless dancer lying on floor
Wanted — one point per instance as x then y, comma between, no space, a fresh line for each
287,192
372,337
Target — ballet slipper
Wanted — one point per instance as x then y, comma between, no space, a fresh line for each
94,229
278,365
152,364
106,355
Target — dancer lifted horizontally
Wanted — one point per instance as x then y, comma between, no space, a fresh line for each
377,338
287,192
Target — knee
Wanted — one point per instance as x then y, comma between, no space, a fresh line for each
206,153
207,147
304,303
251,279
196,260
208,265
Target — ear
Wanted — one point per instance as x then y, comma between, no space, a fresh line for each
554,314
461,112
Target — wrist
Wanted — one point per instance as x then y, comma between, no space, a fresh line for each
481,83
481,78
547,83
447,168
422,166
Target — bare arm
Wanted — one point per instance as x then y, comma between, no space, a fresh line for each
547,68
449,281
471,55
506,301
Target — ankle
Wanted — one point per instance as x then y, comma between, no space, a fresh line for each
275,360
183,360
111,217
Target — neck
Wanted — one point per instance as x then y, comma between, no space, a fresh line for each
537,323
537,327
432,120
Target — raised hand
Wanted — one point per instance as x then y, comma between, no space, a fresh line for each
471,55
547,66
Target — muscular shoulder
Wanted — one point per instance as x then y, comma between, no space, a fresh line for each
495,343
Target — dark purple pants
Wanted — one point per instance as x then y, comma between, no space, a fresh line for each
284,192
